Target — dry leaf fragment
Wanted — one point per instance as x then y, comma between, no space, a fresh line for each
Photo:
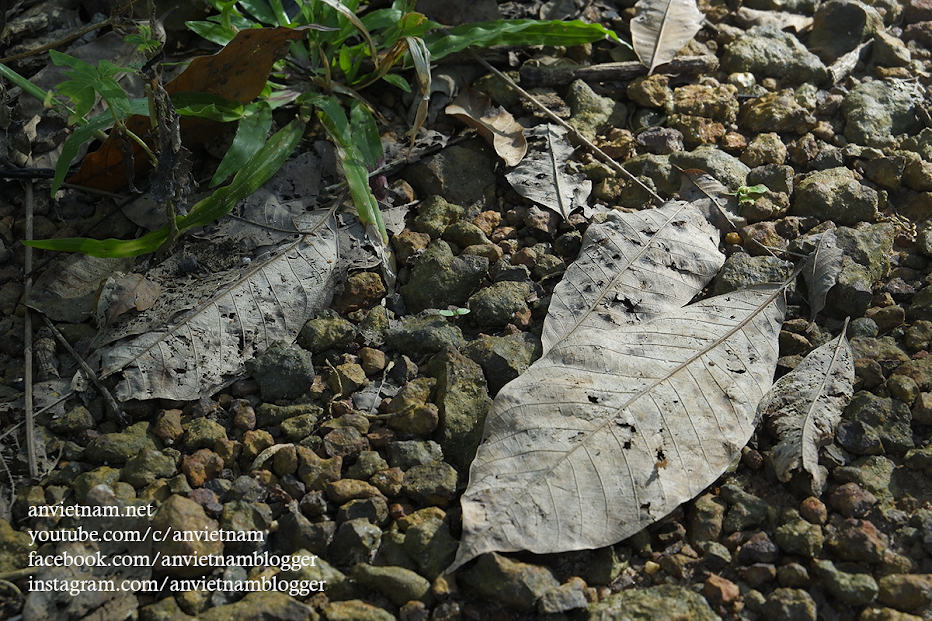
713,198
821,270
660,29
124,292
495,124
804,406
541,176
68,291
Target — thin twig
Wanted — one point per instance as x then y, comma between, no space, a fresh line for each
60,42
112,407
553,117
30,420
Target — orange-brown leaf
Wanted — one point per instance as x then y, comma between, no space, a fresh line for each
496,125
237,72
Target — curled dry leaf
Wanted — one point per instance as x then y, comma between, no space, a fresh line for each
660,29
632,410
495,124
541,176
821,271
804,406
68,290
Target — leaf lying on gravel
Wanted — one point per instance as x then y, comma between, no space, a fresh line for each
637,405
613,429
821,271
496,125
661,28
230,317
805,405
719,204
541,176
633,266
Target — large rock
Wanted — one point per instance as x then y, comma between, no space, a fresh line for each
668,602
503,358
262,606
464,403
283,371
512,583
726,168
770,53
878,111
775,112
836,195
422,336
591,113
179,515
840,26
439,279
459,174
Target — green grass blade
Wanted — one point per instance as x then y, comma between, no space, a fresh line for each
207,106
215,33
365,134
250,136
515,32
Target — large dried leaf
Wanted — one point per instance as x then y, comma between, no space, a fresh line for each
821,271
633,266
805,405
615,427
197,337
541,176
496,125
660,29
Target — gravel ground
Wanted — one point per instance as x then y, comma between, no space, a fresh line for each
353,444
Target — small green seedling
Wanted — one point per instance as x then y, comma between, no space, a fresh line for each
748,194
453,312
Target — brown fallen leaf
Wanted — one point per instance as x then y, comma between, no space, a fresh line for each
238,72
124,292
496,125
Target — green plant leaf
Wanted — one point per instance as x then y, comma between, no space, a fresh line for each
365,134
207,106
260,167
357,177
514,32
261,11
250,136
215,33
396,80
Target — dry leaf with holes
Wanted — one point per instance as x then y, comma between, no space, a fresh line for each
623,419
495,124
124,292
804,407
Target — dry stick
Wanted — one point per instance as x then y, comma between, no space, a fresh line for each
30,419
60,42
553,117
608,72
112,407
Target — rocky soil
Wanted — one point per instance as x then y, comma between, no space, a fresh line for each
353,444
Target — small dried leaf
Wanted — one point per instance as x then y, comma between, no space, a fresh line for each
496,124
660,29
821,271
541,176
804,406
713,198
125,292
